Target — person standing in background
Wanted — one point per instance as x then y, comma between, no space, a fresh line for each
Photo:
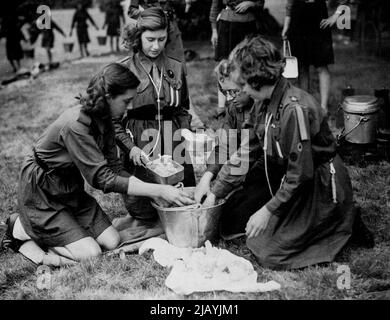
48,39
11,30
231,21
308,28
80,19
114,16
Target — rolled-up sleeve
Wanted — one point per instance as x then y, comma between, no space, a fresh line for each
214,164
215,10
122,138
234,171
89,159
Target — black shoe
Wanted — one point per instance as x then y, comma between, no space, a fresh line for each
8,241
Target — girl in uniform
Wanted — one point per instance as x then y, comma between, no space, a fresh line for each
48,39
56,214
80,21
296,201
114,16
308,28
159,109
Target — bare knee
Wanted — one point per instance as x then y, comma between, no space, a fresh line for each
85,248
109,239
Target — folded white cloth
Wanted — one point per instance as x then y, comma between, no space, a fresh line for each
205,269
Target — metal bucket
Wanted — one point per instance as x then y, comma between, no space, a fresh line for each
360,119
29,53
68,46
102,40
190,226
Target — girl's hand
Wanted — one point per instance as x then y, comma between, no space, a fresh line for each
258,222
138,156
202,189
175,196
327,23
210,200
244,6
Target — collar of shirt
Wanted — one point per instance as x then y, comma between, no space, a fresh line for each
147,63
100,123
277,96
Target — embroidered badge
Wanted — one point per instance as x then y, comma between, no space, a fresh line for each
171,74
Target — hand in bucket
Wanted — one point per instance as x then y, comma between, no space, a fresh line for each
138,156
202,190
210,200
176,196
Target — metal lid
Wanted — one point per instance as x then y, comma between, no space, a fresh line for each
360,104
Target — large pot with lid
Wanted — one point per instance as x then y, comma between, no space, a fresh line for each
360,119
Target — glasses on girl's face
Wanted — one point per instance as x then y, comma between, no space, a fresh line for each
232,93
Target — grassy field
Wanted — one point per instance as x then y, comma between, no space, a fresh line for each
26,108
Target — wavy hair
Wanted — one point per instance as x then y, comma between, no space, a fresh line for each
151,19
259,61
114,79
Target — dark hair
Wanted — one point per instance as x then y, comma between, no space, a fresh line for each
259,61
151,19
114,79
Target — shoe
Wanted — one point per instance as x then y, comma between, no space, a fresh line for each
8,241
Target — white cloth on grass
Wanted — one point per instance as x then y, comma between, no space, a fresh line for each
205,269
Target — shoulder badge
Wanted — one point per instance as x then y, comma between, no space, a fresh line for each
301,123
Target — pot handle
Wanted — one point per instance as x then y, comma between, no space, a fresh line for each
180,186
342,135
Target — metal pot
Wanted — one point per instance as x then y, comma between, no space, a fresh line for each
360,119
190,226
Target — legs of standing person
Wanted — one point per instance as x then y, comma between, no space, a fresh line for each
324,80
49,55
81,45
14,67
86,49
112,43
117,43
304,78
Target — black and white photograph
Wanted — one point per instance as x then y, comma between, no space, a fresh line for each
202,152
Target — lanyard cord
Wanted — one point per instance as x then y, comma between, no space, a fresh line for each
157,90
267,124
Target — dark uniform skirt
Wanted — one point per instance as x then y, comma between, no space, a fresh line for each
14,49
309,43
230,34
140,207
54,208
308,230
82,34
47,39
113,29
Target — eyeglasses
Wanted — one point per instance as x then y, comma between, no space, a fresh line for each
230,93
